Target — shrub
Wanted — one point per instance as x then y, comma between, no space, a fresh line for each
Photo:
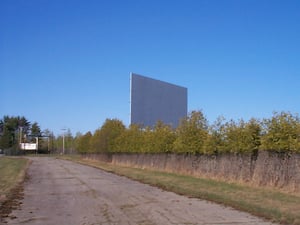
281,132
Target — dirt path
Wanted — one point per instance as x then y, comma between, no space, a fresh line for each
63,192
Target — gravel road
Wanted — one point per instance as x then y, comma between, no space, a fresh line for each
63,192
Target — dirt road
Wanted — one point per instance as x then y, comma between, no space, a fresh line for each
63,192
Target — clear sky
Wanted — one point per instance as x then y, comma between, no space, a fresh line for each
67,63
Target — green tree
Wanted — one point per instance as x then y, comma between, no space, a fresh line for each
131,140
163,138
104,138
146,140
58,144
83,143
12,130
215,141
77,138
46,143
97,142
241,136
191,134
36,133
253,133
281,132
35,130
69,142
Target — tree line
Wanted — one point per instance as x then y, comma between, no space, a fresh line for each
195,135
14,130
17,129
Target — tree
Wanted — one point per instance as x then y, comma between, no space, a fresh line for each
253,130
83,142
12,131
131,140
191,134
46,143
215,141
69,142
241,136
35,130
163,138
104,138
281,132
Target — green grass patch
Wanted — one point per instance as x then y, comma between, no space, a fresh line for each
264,202
12,172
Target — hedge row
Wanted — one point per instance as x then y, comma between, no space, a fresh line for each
195,135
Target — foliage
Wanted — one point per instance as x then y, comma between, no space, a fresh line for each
242,136
131,140
215,140
158,139
194,135
55,143
46,143
191,134
282,132
83,143
35,129
163,137
104,138
10,131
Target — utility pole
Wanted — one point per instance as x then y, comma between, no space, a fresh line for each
20,138
63,129
37,144
48,144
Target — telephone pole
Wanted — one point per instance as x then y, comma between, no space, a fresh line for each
63,129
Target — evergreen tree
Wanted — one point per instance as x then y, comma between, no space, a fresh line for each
12,131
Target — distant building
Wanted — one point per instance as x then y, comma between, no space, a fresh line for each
152,100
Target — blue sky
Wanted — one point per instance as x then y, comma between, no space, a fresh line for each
67,63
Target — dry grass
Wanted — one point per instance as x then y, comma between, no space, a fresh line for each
12,172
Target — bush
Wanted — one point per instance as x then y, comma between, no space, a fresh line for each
191,134
241,136
281,132
194,135
104,138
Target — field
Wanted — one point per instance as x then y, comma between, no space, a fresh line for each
272,204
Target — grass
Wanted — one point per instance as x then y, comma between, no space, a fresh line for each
12,172
268,203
